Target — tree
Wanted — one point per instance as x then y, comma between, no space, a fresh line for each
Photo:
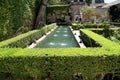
88,12
41,15
53,1
88,2
58,1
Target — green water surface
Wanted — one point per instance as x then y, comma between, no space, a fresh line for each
61,37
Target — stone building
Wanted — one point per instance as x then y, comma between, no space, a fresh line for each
76,6
117,3
73,11
100,11
114,10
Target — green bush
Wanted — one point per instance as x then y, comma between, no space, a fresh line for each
106,31
77,26
89,25
26,39
99,39
115,23
88,41
17,14
60,63
117,34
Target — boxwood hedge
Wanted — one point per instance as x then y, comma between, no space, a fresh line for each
26,39
61,63
115,23
78,26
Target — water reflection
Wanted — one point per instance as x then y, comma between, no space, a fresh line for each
57,31
55,35
51,43
62,37
63,44
65,28
65,31
65,35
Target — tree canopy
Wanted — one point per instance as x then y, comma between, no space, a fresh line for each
88,12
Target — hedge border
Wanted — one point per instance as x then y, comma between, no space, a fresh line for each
26,39
78,26
61,64
99,39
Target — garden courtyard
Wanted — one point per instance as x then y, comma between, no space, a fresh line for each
59,40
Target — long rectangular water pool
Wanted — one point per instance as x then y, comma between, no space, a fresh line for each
61,37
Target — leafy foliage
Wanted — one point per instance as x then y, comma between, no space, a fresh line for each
5,20
69,63
88,2
116,36
107,32
99,39
88,12
26,39
58,1
115,23
78,26
17,16
58,63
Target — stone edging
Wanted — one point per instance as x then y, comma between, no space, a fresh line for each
34,44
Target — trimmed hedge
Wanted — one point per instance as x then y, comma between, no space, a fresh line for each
88,41
63,23
100,39
77,26
61,63
64,5
26,39
115,23
100,25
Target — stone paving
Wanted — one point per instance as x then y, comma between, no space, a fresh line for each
77,36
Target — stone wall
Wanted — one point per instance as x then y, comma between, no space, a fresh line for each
75,11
